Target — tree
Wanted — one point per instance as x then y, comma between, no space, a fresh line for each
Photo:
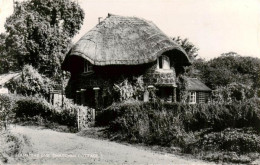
229,68
195,69
6,62
192,52
190,48
39,33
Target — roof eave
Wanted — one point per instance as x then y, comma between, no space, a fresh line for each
123,62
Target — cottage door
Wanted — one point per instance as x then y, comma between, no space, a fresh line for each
90,98
165,93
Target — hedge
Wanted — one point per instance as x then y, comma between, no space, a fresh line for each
176,124
32,108
37,109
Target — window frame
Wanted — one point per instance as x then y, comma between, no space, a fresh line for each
88,67
192,97
163,62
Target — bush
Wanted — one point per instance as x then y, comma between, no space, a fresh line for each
6,105
40,111
36,110
233,92
231,157
13,145
143,122
196,128
241,141
230,145
220,116
30,107
30,83
191,117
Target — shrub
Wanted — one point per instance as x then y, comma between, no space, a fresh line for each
233,92
6,105
191,117
140,122
234,140
220,116
30,83
231,157
39,110
230,145
13,145
232,127
127,89
29,107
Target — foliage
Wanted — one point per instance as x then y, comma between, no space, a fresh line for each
228,156
219,116
13,145
233,92
228,68
184,125
190,48
39,110
30,83
196,69
182,84
127,90
6,104
235,140
36,110
230,145
39,33
6,61
231,76
193,117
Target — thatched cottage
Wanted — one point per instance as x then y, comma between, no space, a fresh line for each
5,78
123,47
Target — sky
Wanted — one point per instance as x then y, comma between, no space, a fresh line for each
214,26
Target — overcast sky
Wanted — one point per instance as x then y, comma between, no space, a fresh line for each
214,26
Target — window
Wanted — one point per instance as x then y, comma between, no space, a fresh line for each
88,67
163,62
192,98
202,97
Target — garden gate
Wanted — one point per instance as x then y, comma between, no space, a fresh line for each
85,117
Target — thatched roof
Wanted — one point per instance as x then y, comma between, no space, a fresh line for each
4,78
119,40
193,84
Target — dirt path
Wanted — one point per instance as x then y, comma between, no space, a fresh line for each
50,147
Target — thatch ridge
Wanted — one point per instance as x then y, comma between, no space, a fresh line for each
194,84
119,40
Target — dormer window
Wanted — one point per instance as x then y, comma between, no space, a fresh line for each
88,67
163,62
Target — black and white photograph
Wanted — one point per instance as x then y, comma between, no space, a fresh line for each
129,82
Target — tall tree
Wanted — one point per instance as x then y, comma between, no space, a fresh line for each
7,62
192,52
39,33
189,47
229,68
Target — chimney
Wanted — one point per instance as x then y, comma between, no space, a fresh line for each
99,20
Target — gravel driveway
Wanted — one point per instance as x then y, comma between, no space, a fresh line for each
50,147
